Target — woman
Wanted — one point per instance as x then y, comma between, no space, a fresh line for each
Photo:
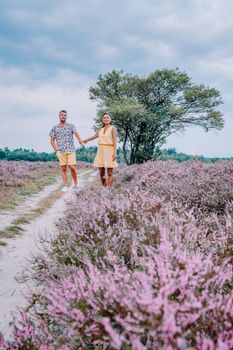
106,154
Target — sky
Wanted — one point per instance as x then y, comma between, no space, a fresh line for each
51,52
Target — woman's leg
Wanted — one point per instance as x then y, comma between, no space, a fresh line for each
102,176
110,177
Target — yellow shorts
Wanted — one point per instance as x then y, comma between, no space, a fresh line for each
66,158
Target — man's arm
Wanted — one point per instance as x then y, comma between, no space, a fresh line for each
78,137
52,141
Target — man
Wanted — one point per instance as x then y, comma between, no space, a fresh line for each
62,141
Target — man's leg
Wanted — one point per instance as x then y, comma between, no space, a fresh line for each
110,177
64,174
102,176
62,161
73,174
71,159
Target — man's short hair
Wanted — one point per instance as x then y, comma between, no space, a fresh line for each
62,111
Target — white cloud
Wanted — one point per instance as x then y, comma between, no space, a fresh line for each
151,50
107,52
222,67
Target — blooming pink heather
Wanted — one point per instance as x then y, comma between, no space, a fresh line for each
147,265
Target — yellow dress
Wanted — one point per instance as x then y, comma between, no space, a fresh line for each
105,151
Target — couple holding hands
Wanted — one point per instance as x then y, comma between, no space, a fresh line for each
62,141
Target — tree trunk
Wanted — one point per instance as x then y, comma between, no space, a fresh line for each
124,148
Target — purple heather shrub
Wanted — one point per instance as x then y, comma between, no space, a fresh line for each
14,173
147,265
206,188
173,299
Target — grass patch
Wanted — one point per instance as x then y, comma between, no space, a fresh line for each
11,231
21,220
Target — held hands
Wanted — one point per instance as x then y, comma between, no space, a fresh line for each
83,142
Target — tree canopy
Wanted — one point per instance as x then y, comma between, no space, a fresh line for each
146,110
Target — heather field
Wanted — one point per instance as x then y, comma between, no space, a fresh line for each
147,265
21,178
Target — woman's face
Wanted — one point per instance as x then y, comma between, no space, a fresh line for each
106,119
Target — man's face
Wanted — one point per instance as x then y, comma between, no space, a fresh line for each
63,116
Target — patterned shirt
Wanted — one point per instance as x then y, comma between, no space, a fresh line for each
64,137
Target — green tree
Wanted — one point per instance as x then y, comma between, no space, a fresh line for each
146,110
2,154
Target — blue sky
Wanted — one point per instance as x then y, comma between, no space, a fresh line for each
51,52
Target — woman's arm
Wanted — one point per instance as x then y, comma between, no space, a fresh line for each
114,137
95,136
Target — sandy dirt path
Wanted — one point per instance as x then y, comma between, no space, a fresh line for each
15,257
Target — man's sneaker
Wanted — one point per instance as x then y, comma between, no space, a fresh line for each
64,189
